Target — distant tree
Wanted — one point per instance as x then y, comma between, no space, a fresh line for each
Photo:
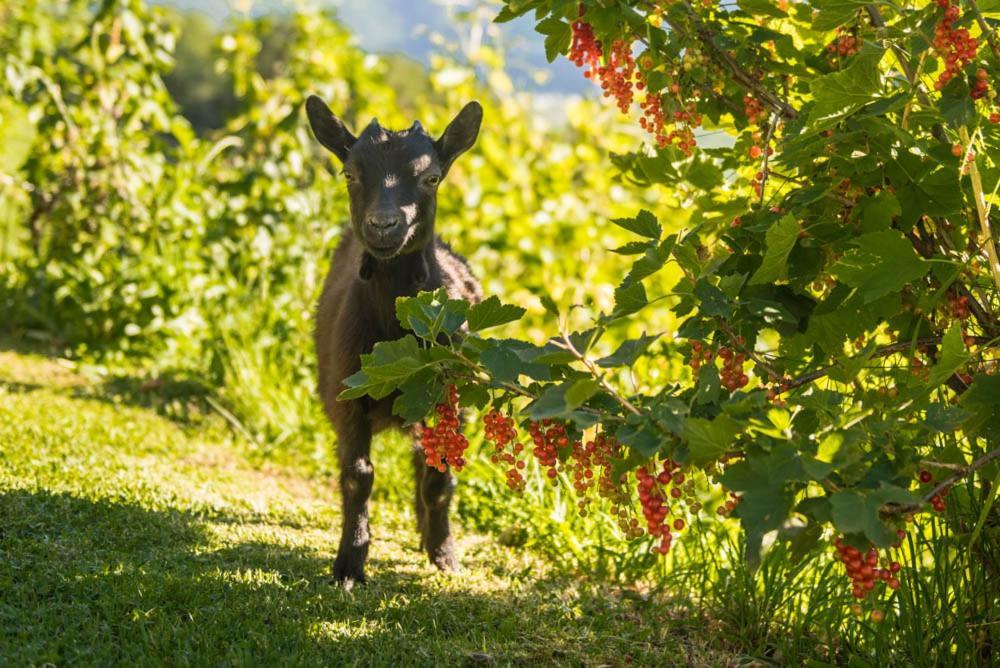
205,95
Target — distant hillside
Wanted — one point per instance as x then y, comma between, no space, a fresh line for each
404,26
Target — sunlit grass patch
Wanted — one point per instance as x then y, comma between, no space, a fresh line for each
129,536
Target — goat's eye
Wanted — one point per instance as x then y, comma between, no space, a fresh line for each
349,177
432,180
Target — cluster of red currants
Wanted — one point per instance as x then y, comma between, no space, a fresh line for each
863,569
937,500
619,78
726,509
954,45
653,495
918,369
700,354
616,75
980,87
753,109
590,465
443,444
732,374
844,46
548,438
958,306
500,430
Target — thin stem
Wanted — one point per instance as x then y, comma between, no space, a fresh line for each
981,210
964,472
884,351
767,154
599,377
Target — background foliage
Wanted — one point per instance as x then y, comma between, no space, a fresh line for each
175,223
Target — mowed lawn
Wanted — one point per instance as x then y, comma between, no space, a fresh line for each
130,538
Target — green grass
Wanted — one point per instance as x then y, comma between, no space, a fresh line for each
128,537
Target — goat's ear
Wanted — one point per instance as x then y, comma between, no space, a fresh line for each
329,130
460,134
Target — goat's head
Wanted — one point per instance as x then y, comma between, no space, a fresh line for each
392,177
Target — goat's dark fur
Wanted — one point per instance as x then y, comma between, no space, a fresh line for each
389,250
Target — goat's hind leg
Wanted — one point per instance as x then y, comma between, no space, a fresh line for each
435,491
356,478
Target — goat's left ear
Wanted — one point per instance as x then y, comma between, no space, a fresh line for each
460,135
329,130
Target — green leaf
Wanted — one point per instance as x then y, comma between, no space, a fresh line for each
430,313
708,439
562,399
502,363
858,511
952,357
711,300
549,305
839,94
634,248
473,394
640,436
877,212
780,238
629,298
834,13
956,105
394,361
558,37
418,396
358,385
709,385
628,352
580,391
765,502
491,313
507,359
762,8
651,261
882,262
985,390
644,224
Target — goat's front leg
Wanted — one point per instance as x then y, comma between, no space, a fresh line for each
356,477
435,494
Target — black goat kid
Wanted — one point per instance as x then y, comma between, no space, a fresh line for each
389,250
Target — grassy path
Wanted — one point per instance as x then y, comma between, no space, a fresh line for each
129,538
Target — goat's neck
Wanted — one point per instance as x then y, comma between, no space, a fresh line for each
402,275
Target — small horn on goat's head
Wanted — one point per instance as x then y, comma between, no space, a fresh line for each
376,132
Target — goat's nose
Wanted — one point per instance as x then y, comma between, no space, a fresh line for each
383,222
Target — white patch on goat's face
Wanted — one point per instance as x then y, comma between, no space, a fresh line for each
409,212
391,181
421,164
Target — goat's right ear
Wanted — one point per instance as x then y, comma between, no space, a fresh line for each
329,130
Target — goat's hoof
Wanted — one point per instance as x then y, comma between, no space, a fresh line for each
348,573
446,563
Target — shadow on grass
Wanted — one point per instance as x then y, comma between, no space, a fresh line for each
105,582
173,395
